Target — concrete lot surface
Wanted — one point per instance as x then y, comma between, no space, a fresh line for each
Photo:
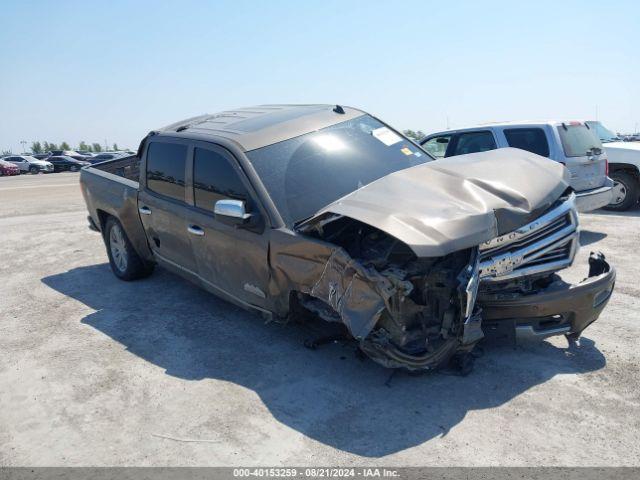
96,371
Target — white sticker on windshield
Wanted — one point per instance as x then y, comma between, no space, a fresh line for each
386,136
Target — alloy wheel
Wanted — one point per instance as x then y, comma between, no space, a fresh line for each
619,192
118,248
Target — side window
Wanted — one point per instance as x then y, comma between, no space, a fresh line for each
473,142
530,139
165,169
437,146
214,178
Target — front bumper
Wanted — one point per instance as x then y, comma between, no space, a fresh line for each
589,200
561,308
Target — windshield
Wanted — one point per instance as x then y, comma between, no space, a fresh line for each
30,159
603,132
578,140
306,173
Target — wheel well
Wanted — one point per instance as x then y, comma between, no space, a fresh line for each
102,218
625,167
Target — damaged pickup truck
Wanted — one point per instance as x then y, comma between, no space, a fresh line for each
328,210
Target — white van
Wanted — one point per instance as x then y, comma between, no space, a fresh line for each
574,144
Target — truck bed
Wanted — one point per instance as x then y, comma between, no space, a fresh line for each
127,167
111,189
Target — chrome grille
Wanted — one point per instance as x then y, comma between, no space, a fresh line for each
547,244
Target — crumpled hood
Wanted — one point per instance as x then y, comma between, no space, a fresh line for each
450,204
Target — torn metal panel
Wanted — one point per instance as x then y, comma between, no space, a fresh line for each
460,202
358,294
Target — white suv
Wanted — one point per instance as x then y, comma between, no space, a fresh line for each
574,144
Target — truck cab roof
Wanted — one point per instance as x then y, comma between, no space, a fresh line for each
255,127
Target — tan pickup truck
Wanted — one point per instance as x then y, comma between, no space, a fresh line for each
326,209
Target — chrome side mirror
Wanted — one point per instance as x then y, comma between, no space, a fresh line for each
234,210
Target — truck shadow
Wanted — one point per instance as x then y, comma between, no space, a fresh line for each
329,395
588,237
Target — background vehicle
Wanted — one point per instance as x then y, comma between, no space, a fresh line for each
27,163
41,156
67,153
101,157
624,168
8,168
63,163
604,134
391,245
573,144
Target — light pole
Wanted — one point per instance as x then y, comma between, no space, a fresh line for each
24,148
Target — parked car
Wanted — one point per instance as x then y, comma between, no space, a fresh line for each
40,156
573,144
30,164
624,168
8,168
68,153
326,210
63,163
101,157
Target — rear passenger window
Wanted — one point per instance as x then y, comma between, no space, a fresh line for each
165,169
473,142
215,179
530,139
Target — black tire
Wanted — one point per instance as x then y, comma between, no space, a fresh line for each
625,191
125,262
33,170
73,168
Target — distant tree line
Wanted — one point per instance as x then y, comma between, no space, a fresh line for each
416,135
37,147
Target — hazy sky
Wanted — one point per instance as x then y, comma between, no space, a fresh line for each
116,69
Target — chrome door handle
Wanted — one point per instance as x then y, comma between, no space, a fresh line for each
196,230
144,210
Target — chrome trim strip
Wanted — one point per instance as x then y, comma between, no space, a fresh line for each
499,263
527,332
530,228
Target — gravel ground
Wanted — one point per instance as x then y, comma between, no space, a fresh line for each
95,371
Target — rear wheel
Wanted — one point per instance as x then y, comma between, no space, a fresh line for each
125,262
73,168
625,191
33,169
